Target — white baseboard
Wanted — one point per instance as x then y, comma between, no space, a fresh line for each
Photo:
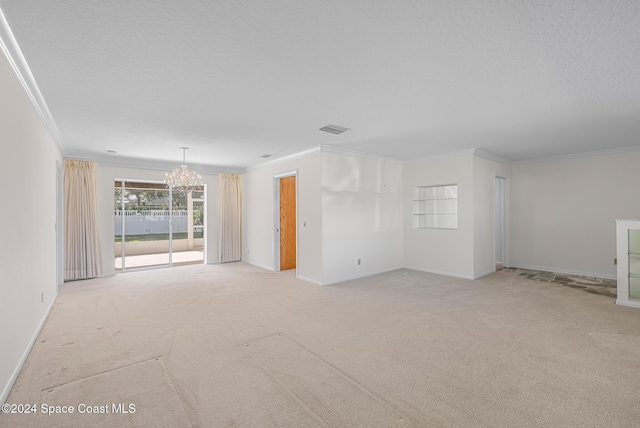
628,303
312,281
269,268
563,271
25,354
488,272
362,275
438,272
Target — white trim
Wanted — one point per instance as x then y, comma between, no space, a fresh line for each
481,153
20,68
59,224
312,281
258,265
285,158
439,272
25,354
593,153
442,156
205,223
489,272
349,152
275,236
133,180
286,174
361,275
628,303
506,220
128,162
296,223
563,271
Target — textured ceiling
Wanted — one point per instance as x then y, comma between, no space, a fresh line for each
235,79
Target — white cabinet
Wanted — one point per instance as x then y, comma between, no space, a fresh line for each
628,249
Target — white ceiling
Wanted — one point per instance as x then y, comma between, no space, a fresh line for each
235,79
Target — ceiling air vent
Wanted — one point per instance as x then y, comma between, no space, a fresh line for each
334,129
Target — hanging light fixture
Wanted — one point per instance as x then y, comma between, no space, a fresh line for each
183,178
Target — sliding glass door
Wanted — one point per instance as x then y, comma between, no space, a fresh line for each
152,225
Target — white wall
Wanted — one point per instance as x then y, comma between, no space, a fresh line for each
563,212
258,215
106,177
28,255
484,173
443,251
361,215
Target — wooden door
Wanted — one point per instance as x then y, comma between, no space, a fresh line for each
288,223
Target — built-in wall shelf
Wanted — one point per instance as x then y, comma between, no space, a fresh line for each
435,207
628,251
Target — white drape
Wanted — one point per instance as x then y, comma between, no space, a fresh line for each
230,217
82,238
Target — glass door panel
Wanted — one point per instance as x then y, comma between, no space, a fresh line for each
634,263
118,225
180,226
154,226
197,224
188,217
142,224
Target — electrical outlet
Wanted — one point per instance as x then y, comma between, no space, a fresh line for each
359,263
247,251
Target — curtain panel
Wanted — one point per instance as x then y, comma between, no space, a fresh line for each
229,217
82,238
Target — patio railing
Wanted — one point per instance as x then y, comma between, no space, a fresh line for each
150,221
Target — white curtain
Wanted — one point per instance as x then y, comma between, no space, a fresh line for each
230,217
82,238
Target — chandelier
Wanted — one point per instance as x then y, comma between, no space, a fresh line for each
183,179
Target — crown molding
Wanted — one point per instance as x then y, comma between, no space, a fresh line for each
20,69
484,154
594,153
285,158
349,152
127,162
480,153
457,153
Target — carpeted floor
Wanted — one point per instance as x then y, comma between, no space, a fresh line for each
236,346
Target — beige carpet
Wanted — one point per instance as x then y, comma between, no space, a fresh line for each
236,346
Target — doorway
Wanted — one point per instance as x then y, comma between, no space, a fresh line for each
286,222
501,217
155,227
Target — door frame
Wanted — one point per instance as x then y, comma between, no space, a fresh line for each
276,218
505,219
59,225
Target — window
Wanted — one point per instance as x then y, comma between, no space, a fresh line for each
435,207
